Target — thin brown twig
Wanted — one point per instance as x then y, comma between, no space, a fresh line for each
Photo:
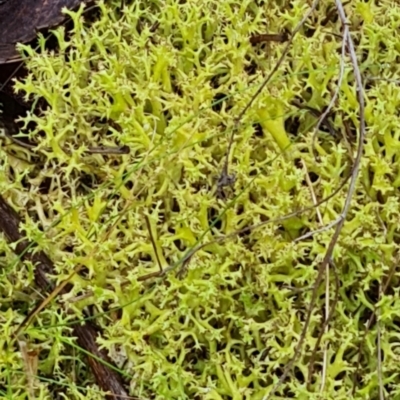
325,324
317,114
105,150
54,293
335,94
269,37
327,294
319,230
325,331
153,242
21,64
379,349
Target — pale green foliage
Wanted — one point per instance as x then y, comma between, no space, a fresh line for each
149,79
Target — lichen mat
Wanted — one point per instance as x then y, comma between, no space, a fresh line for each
169,80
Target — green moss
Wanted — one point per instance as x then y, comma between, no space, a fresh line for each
167,79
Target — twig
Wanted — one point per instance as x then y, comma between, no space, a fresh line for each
153,242
108,150
379,349
335,94
269,37
328,317
11,128
319,230
391,80
21,64
61,288
326,330
327,295
317,114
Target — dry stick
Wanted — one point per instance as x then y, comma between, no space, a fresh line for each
61,288
326,346
327,295
324,325
10,130
153,243
335,95
353,180
225,179
86,333
21,64
107,150
319,230
317,114
379,349
372,78
323,328
332,12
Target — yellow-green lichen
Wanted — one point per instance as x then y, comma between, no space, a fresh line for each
168,79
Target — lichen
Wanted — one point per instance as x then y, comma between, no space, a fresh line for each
168,79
